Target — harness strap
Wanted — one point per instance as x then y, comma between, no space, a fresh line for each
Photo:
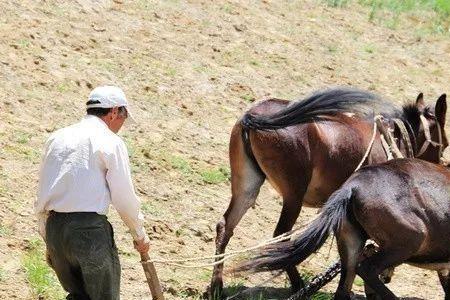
428,141
387,140
405,137
390,147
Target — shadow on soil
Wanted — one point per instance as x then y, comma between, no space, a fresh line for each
272,293
362,297
256,293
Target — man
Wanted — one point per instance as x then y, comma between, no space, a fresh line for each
84,168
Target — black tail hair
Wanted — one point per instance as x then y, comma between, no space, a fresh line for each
289,253
320,105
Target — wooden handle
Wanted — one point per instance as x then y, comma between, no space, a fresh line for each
152,277
145,257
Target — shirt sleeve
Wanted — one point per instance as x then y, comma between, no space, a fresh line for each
41,201
123,196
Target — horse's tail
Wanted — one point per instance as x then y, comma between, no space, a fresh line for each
319,106
245,135
289,253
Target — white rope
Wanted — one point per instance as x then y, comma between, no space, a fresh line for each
369,147
223,257
283,237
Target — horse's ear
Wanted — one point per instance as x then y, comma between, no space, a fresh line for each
419,101
441,109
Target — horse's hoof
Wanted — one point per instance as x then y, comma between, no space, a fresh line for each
373,297
214,292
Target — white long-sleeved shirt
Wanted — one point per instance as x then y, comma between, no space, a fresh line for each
85,168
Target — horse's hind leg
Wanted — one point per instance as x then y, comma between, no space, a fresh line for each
246,180
370,268
385,276
289,214
444,278
350,242
242,199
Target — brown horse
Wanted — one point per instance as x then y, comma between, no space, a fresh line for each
307,149
403,205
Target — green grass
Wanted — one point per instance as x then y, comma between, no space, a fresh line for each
24,43
40,277
332,49
4,230
227,8
171,72
203,69
369,48
63,87
307,275
2,274
322,296
215,176
23,151
234,287
248,98
391,12
337,3
358,281
22,137
180,164
150,208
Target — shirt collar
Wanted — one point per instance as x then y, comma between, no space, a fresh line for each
95,120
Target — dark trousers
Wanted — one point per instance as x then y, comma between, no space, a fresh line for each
81,250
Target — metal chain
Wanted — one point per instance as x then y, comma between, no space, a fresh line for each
317,282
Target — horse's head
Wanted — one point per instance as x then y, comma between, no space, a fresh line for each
430,133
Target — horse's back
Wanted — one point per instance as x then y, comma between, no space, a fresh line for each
311,159
408,199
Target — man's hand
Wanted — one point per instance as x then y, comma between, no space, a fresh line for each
142,245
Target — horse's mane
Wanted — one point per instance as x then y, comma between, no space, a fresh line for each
411,114
323,104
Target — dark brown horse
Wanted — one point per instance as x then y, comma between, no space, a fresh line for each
403,205
307,149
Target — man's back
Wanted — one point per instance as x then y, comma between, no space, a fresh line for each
75,161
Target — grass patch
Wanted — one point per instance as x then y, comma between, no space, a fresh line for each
337,3
180,164
24,43
248,98
134,155
390,12
22,137
369,49
203,69
228,8
234,287
63,87
2,274
26,152
307,275
398,8
40,277
215,176
150,208
358,281
171,72
322,296
332,49
5,230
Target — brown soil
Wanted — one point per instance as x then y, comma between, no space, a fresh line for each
190,69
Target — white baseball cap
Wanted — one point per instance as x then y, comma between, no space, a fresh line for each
108,96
